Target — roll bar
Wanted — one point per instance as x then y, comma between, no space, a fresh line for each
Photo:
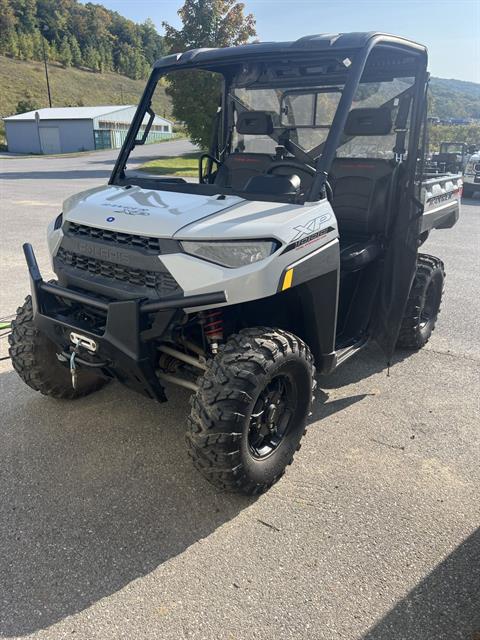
338,123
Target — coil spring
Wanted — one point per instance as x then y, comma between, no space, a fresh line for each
213,325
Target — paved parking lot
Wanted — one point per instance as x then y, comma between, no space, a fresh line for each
106,530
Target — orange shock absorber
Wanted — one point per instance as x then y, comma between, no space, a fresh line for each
213,327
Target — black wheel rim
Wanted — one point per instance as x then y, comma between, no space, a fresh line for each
271,417
429,309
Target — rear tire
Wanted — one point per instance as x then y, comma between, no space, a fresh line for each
34,358
423,304
251,409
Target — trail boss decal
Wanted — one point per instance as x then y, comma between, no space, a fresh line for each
309,232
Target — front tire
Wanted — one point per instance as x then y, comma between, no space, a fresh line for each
251,409
468,191
423,304
34,358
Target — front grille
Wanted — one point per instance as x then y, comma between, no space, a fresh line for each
163,282
123,239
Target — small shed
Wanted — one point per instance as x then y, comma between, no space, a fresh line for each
70,129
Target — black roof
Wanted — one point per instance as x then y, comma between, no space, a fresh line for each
323,42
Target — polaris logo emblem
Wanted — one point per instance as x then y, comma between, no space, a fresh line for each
101,252
443,197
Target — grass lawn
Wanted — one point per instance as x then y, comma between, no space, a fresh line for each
185,166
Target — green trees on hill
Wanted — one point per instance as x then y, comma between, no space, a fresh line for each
454,98
78,35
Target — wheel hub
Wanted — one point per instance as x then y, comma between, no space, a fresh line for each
270,419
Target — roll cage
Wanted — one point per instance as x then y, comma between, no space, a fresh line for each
342,61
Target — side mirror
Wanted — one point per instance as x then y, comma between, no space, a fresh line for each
206,174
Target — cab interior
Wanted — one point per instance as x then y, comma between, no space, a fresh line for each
361,191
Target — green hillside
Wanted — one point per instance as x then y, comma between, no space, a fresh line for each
69,87
22,80
78,35
455,98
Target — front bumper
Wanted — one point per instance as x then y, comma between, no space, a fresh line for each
472,179
126,336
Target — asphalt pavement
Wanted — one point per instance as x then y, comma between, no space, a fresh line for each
108,532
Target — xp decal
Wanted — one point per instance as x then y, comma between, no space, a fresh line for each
310,232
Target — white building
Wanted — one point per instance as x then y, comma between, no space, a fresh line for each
70,129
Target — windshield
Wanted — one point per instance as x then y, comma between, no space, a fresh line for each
451,147
259,120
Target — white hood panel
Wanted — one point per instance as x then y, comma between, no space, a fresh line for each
141,211
186,216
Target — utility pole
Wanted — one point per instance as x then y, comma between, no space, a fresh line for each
44,28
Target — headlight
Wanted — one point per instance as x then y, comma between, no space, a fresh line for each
58,221
236,253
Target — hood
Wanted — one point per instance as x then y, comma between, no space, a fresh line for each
142,211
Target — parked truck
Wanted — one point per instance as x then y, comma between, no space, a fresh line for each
452,157
296,247
471,176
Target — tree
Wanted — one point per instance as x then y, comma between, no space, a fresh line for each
37,45
27,104
8,35
131,62
51,50
25,46
106,57
76,52
65,53
152,43
26,13
11,47
195,94
92,59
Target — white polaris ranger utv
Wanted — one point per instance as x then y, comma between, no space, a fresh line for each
296,247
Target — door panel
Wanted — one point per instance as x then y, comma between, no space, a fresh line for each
50,140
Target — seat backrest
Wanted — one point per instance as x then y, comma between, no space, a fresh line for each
360,194
238,168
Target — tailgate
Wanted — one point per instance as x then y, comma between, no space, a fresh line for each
441,197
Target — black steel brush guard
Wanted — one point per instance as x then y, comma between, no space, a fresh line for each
132,356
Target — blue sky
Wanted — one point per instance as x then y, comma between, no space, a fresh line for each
449,28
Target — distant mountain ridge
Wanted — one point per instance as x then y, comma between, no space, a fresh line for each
455,98
472,88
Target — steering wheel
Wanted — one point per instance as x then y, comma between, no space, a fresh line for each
291,163
302,167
